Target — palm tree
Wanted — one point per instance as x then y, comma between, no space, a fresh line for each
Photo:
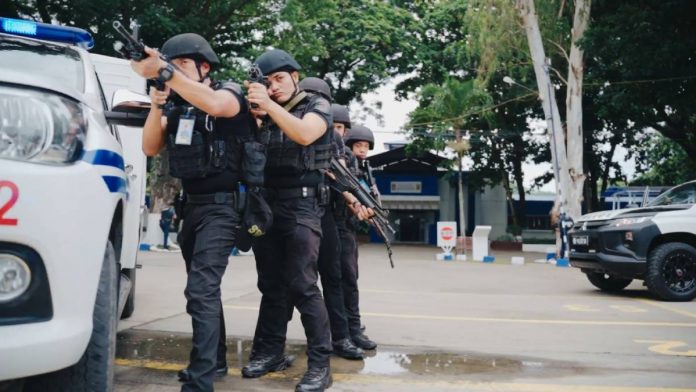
445,113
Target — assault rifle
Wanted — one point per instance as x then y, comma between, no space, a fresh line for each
133,49
380,221
371,180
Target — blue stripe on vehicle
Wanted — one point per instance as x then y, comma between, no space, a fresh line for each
115,184
103,158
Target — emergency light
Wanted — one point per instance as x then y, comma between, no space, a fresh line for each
48,32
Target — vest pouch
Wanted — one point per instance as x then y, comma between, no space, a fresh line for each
190,161
253,163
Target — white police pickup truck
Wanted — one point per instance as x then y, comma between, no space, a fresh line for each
70,206
655,243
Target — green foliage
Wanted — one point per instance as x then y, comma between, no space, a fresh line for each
663,162
356,45
645,48
229,25
444,109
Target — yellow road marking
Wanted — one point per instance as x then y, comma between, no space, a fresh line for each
580,308
470,386
628,308
511,321
666,347
665,307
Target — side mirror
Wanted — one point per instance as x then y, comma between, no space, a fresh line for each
128,108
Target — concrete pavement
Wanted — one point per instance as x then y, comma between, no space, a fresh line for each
441,325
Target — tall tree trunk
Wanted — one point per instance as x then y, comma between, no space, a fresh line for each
574,136
517,173
567,163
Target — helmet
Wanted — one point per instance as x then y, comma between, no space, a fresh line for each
316,85
340,114
190,45
359,133
275,60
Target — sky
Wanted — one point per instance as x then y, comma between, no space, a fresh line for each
395,115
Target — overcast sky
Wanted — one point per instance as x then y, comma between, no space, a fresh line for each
395,115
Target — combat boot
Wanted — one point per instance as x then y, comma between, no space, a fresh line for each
220,371
262,364
345,348
316,379
361,340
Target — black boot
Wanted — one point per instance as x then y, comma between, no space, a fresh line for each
345,348
220,371
263,364
316,379
362,341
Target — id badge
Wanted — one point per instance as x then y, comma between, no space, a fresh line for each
184,133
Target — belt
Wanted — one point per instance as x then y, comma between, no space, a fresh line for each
212,198
291,193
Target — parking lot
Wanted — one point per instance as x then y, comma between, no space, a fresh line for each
440,325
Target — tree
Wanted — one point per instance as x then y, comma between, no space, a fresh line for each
354,45
441,121
568,165
663,162
643,56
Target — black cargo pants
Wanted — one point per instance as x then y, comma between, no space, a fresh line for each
349,276
286,261
207,238
330,273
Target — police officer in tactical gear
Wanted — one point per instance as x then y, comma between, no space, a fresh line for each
341,118
360,140
202,128
295,131
316,86
330,248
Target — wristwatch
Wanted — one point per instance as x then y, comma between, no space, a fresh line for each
165,73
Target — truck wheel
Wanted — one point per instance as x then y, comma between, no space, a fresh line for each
95,370
606,282
129,307
671,272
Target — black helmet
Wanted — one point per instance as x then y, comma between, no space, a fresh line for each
316,85
359,133
190,45
340,114
275,60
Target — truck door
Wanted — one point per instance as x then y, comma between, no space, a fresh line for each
114,74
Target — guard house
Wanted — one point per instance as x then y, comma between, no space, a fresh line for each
418,193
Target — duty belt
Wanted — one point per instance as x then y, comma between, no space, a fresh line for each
212,198
291,193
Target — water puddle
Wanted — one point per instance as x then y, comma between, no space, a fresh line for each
391,361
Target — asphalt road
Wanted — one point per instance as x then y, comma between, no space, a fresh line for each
440,325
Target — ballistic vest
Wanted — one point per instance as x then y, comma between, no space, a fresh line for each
290,164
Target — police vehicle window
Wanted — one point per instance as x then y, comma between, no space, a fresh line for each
112,128
58,63
683,194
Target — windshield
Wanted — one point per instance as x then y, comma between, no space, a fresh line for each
682,194
53,62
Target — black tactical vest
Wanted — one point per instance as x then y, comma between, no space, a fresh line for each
285,158
216,145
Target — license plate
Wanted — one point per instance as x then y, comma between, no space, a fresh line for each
580,240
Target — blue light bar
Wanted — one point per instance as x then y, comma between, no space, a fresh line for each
48,32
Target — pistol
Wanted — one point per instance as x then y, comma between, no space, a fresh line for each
256,76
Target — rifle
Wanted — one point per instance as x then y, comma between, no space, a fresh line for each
133,49
380,221
256,76
371,180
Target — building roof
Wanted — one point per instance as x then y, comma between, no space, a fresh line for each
397,160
